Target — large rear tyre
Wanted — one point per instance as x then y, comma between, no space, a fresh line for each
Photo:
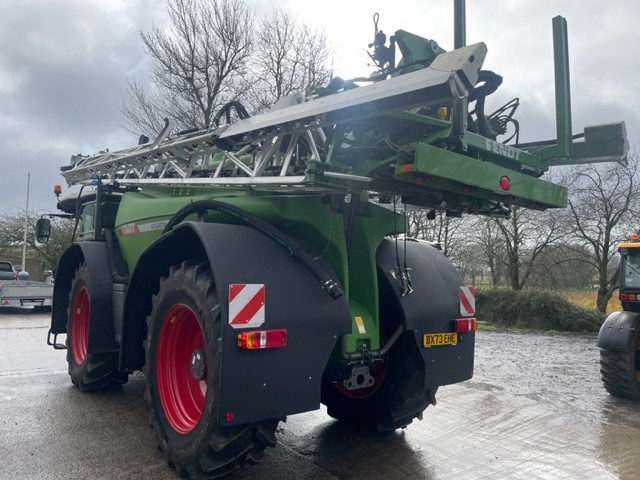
183,353
88,371
397,397
621,370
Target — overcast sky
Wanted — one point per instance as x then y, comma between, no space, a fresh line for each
64,65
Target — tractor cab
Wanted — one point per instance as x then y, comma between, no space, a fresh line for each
630,273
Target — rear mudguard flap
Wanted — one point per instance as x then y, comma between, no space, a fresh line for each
100,286
432,307
255,384
616,333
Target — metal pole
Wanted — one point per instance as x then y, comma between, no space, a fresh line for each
563,87
459,40
459,24
26,224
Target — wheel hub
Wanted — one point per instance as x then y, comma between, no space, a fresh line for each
197,364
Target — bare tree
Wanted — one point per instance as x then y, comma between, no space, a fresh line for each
563,266
211,54
417,224
12,231
471,263
492,247
601,200
289,57
12,235
441,228
197,63
526,234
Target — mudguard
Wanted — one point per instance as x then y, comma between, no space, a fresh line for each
99,284
616,332
432,307
256,384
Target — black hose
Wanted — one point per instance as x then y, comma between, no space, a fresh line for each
488,82
226,111
295,250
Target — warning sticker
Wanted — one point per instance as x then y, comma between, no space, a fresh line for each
246,305
360,325
467,301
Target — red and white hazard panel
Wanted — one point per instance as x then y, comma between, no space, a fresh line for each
467,301
246,305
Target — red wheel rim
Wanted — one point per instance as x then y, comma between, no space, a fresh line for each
182,395
80,325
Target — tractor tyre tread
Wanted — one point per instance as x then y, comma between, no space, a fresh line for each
98,371
221,450
619,374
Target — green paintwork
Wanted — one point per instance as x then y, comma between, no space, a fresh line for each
470,173
301,216
507,156
415,49
562,86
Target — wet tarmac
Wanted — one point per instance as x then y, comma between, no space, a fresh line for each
535,409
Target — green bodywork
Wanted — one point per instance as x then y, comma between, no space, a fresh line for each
306,217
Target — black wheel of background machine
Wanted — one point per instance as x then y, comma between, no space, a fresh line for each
397,397
183,352
621,370
88,371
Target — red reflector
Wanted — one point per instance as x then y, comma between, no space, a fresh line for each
258,339
623,297
463,325
505,183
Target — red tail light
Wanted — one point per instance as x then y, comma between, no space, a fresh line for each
260,339
622,297
463,325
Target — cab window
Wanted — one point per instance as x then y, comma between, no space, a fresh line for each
87,218
632,271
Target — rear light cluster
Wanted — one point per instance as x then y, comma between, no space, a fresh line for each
261,339
463,325
628,296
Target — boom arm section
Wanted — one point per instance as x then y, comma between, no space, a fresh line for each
598,143
394,137
449,78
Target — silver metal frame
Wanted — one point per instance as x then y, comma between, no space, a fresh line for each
256,156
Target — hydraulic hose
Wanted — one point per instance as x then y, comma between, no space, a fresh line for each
295,250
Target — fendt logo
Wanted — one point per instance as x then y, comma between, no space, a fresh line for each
502,149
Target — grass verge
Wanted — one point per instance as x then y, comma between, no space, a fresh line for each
534,310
